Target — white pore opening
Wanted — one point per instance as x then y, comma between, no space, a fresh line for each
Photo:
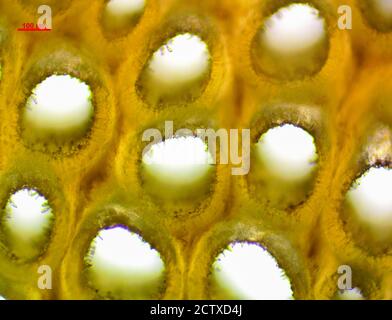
293,29
288,152
178,160
125,7
250,272
122,259
181,60
350,294
371,197
384,7
28,217
59,103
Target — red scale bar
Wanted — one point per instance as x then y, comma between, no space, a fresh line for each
35,29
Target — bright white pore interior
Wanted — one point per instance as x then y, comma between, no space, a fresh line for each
293,29
350,294
178,160
371,196
27,214
384,7
250,272
59,103
288,152
121,258
125,7
181,60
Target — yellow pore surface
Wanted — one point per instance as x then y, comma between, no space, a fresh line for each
338,90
